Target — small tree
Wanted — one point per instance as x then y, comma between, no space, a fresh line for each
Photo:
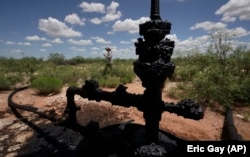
219,75
57,58
221,46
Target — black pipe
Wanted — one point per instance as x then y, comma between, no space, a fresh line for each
50,115
229,131
62,148
155,10
186,108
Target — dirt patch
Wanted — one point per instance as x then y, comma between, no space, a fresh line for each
17,138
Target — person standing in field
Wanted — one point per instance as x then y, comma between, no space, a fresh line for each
109,62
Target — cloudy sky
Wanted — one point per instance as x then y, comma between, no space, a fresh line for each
75,27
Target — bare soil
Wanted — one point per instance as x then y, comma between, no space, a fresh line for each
17,138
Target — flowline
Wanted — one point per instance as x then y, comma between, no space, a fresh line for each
50,139
62,148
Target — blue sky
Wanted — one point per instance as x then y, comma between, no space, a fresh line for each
84,28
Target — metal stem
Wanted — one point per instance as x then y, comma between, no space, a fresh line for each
155,10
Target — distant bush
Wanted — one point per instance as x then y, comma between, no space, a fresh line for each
14,78
67,73
109,81
119,74
47,85
222,80
5,83
57,58
241,91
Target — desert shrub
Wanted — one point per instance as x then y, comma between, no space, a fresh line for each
125,73
76,60
57,58
241,90
109,81
182,90
185,73
5,83
121,73
68,74
173,92
245,88
214,86
47,85
216,75
15,78
127,78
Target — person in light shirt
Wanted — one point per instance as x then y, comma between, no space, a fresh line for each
108,56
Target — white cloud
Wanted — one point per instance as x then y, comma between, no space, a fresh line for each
96,21
10,43
133,40
209,26
241,43
172,37
24,43
132,26
233,9
95,48
237,32
47,45
202,43
110,32
54,27
189,44
57,41
125,42
80,42
92,7
32,38
35,38
101,40
17,51
74,19
77,49
112,13
128,52
228,19
220,27
42,50
43,39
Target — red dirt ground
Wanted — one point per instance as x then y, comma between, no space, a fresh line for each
208,128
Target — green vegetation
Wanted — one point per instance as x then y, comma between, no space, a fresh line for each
47,85
224,81
5,83
74,71
206,76
221,75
